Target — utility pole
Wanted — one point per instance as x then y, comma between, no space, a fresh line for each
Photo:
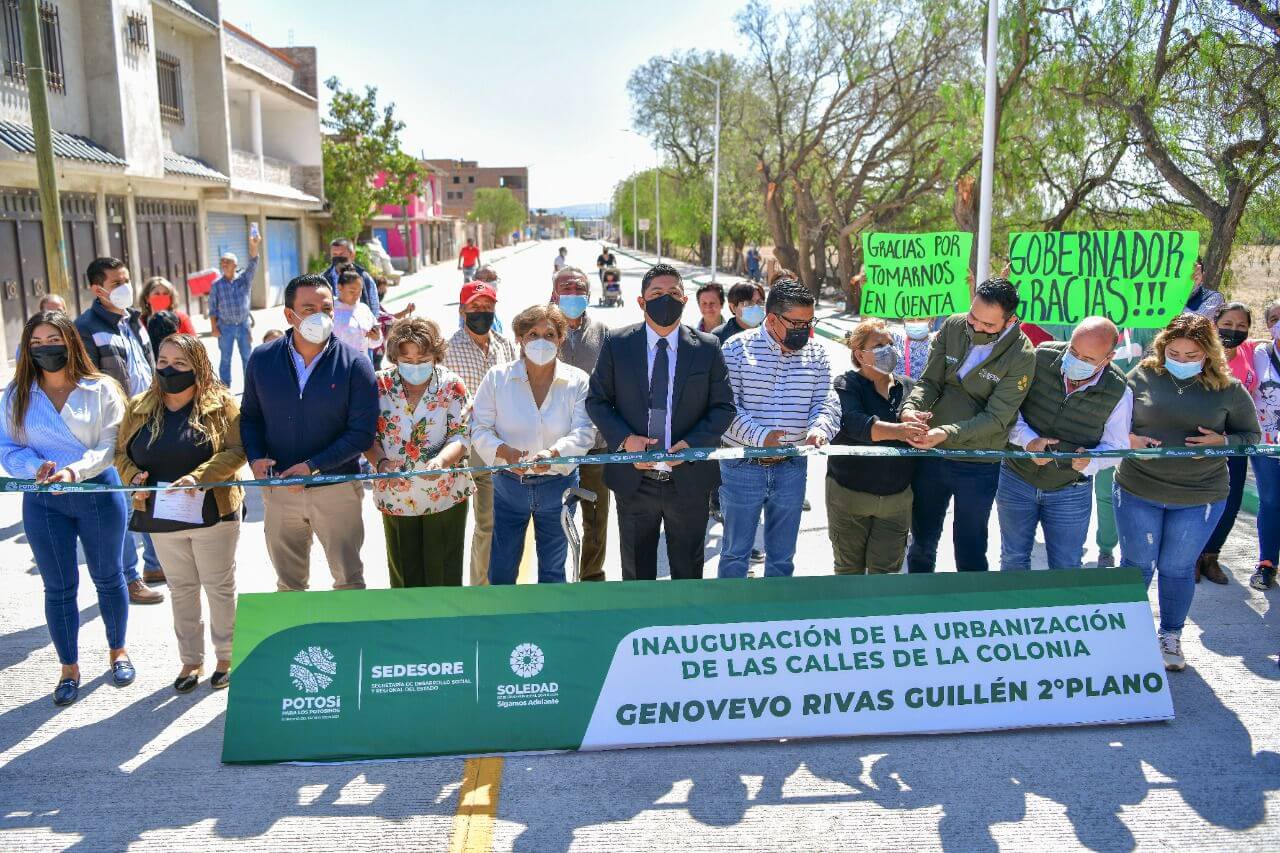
988,145
55,254
635,217
657,206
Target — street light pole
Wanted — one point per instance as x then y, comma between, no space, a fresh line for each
657,205
988,145
715,170
635,216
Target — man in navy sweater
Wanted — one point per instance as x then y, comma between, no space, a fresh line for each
310,407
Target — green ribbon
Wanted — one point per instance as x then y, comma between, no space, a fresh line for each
696,454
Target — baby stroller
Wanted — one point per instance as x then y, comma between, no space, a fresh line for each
611,295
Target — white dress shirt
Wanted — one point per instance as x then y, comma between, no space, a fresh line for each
673,345
504,412
91,415
979,353
1115,433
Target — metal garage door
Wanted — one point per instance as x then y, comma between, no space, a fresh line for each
228,232
284,260
168,244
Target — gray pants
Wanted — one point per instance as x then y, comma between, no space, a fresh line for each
332,515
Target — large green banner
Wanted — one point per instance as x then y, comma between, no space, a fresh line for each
1138,279
382,673
915,275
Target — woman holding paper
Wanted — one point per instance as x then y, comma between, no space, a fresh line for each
58,425
183,431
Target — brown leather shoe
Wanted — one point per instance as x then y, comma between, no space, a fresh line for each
153,577
1211,570
140,593
1199,567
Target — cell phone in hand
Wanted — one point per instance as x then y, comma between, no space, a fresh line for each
253,230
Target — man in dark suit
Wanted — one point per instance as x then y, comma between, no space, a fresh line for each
660,385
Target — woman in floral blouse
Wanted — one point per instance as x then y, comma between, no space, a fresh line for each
421,428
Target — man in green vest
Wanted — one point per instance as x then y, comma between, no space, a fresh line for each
1078,400
979,369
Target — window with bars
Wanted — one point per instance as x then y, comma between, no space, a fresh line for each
51,36
137,31
169,74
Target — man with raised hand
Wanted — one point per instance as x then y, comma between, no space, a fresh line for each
979,371
1078,400
660,385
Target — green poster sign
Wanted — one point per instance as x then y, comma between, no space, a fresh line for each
1138,279
915,275
382,673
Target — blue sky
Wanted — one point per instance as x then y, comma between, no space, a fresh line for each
539,83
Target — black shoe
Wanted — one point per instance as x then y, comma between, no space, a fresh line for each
123,673
220,680
757,556
717,516
67,691
187,683
805,507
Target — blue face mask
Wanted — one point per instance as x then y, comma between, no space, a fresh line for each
416,374
573,306
753,315
1077,369
1183,369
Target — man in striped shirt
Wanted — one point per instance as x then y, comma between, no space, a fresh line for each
782,389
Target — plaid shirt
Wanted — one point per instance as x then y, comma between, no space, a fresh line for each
471,363
229,300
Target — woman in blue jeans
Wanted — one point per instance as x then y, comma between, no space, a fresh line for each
1166,508
58,425
533,410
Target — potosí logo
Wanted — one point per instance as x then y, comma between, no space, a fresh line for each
311,671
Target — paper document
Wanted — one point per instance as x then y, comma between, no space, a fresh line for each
179,505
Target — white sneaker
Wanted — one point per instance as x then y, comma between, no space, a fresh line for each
1171,648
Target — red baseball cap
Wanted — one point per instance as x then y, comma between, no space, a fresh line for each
475,289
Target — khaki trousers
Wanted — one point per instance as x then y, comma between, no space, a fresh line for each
868,532
201,557
482,511
595,521
332,514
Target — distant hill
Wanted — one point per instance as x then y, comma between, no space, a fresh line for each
581,211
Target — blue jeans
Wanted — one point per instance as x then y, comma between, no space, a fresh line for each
514,503
229,335
53,523
1165,539
1064,514
1266,471
129,557
745,489
974,486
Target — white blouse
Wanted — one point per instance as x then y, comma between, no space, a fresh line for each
92,415
504,413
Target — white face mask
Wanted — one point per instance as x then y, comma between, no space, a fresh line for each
541,351
917,331
752,316
416,374
317,328
122,296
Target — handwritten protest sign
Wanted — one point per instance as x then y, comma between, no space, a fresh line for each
916,275
1138,279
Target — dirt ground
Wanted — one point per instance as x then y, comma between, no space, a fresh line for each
1255,281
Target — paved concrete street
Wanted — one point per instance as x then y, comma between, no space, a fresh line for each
139,767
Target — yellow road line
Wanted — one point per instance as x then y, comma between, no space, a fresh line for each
477,806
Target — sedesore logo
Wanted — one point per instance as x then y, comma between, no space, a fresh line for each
527,660
312,669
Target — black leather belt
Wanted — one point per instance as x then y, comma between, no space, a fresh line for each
659,476
766,461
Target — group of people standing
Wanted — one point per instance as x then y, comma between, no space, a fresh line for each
92,403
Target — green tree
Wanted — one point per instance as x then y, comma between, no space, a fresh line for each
364,166
498,208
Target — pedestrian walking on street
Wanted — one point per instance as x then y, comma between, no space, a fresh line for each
119,346
58,425
229,308
1077,401
532,410
659,385
422,426
562,258
782,390
581,348
605,260
310,407
979,371
1167,508
472,352
869,497
469,260
185,431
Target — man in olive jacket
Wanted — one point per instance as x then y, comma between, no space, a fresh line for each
979,370
1078,400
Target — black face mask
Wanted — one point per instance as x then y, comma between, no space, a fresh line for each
51,358
479,322
338,259
665,310
1232,338
175,381
796,339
